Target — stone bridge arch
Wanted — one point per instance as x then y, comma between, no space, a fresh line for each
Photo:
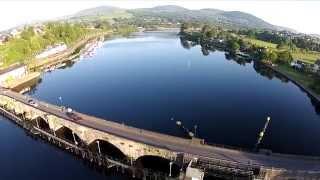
69,135
106,148
158,163
132,149
42,123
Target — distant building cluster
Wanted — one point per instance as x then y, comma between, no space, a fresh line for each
16,32
307,67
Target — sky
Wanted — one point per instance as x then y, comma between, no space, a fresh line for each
299,15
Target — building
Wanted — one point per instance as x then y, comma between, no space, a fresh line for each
15,71
15,33
297,64
3,38
52,50
316,66
38,29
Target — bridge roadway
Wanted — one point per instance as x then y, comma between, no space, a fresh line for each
177,144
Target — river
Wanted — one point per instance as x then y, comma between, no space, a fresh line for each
152,80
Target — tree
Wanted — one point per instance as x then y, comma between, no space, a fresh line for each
205,30
184,27
272,56
233,45
284,57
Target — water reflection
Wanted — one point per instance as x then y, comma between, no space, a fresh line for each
227,98
258,67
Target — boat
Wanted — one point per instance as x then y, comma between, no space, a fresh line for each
91,48
25,90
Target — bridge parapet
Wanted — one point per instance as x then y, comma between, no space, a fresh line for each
88,135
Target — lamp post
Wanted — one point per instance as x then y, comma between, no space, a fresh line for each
131,154
37,123
74,138
60,99
98,144
170,166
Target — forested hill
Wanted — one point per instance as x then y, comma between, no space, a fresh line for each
233,19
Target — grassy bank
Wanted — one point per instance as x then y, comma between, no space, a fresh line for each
306,80
303,55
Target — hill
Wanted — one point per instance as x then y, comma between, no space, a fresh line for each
233,19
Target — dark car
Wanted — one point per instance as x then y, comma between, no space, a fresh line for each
72,115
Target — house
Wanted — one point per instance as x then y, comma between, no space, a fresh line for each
38,29
52,50
316,66
297,64
15,33
3,38
15,71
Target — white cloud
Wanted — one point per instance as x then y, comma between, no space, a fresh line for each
299,15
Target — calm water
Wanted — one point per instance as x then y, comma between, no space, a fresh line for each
147,80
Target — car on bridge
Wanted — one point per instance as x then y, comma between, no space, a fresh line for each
33,103
70,113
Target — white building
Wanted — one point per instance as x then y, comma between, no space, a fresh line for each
15,33
316,66
3,38
13,72
52,50
296,64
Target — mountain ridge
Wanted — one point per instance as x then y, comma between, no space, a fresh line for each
237,19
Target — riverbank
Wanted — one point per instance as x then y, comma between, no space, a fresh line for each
306,81
302,81
22,84
69,54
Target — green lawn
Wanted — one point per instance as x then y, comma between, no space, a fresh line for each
301,77
307,56
260,43
309,81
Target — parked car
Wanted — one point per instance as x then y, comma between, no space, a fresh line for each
33,103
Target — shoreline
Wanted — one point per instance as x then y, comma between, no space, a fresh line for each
66,55
307,90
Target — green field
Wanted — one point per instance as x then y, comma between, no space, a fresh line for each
307,56
260,43
307,80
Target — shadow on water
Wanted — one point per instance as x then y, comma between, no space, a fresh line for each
158,164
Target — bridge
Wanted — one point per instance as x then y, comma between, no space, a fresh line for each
103,136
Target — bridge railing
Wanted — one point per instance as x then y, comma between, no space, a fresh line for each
230,147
